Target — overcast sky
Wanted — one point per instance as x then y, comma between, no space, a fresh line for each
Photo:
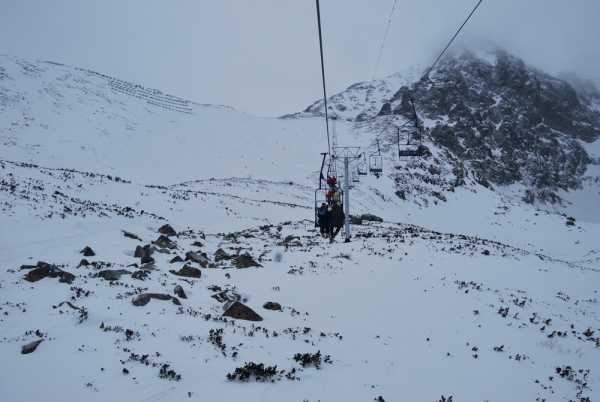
262,56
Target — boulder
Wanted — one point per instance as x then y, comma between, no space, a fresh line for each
140,274
130,235
246,261
88,252
355,220
51,271
370,217
164,242
272,306
30,347
289,238
141,252
176,259
200,258
239,311
221,255
179,292
227,295
112,274
167,230
144,298
83,263
187,271
147,260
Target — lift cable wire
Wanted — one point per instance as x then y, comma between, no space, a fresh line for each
323,74
428,71
384,37
459,29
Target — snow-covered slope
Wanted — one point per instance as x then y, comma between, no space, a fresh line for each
474,294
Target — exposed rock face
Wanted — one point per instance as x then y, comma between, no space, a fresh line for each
30,347
246,261
370,217
113,274
187,271
240,311
49,271
496,122
88,252
167,230
144,298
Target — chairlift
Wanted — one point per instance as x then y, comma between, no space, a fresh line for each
321,198
409,149
355,177
375,161
361,167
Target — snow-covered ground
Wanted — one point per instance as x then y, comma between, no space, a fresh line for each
480,297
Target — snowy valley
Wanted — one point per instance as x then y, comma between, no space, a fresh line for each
133,221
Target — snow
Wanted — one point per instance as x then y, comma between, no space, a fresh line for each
410,309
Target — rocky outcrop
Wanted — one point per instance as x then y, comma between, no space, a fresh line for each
167,230
145,254
180,292
30,347
272,306
198,257
49,271
245,261
144,298
140,274
164,242
187,271
112,274
130,235
370,217
239,311
88,252
221,255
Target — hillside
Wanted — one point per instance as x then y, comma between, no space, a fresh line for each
466,289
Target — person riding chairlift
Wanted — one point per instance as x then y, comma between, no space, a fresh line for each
336,194
331,181
329,196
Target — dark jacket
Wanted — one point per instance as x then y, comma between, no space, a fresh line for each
323,215
336,216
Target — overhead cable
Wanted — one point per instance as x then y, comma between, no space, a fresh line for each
384,37
461,27
323,74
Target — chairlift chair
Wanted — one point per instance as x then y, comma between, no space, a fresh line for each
375,161
361,168
409,149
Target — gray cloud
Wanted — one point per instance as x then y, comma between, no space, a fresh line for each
262,56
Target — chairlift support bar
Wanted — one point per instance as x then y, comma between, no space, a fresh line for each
347,153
